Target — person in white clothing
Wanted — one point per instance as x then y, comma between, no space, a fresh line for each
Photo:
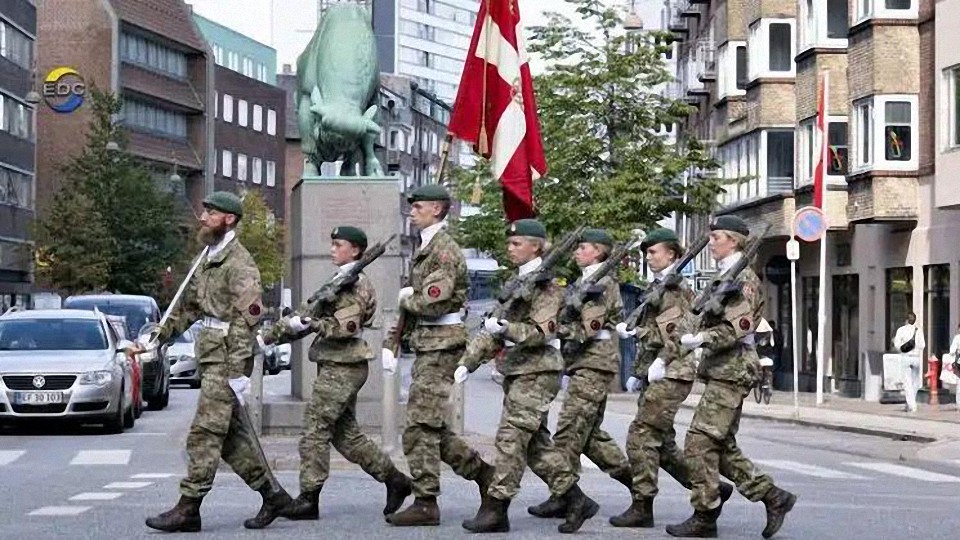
909,343
949,374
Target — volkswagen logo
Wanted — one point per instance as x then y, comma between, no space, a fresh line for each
39,381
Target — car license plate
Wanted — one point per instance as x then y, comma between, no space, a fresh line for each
38,398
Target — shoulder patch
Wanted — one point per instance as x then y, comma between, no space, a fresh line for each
433,292
351,327
744,323
254,309
595,325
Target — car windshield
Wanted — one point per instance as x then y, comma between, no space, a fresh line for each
136,314
52,335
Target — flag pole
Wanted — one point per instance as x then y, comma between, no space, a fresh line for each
822,308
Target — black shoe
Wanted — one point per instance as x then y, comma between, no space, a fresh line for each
778,503
554,507
398,489
184,517
491,517
699,525
305,507
640,514
580,508
424,512
276,503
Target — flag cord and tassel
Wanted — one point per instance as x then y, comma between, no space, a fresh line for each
483,144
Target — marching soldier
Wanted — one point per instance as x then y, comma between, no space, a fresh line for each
729,367
531,370
342,358
592,363
437,293
224,294
651,439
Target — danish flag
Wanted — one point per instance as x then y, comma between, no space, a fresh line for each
496,109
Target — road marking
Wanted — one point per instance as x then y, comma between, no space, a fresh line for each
152,476
96,496
9,456
60,511
809,470
147,433
585,462
908,472
102,457
127,485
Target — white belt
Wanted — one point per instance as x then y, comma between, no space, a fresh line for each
216,324
749,339
449,319
602,335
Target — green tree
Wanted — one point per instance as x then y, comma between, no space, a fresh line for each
262,234
74,245
601,113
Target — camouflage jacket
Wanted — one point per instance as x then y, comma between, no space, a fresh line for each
658,335
225,290
531,327
729,352
439,281
339,326
600,314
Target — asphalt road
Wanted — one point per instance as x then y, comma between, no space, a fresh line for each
62,483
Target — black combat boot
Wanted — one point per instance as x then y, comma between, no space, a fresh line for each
485,479
491,517
640,514
778,503
398,489
305,507
726,491
700,525
276,503
554,507
579,509
424,512
184,517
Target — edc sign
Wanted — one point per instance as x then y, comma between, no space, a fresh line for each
64,90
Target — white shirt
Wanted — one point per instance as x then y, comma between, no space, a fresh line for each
660,275
955,345
726,264
530,266
346,268
590,270
214,250
904,333
427,234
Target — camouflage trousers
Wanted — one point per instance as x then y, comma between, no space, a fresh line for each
222,429
523,438
651,439
427,439
578,426
711,448
330,418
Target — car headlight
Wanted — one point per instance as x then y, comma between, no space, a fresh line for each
99,378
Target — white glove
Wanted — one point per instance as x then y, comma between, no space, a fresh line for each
623,332
239,386
633,385
564,382
297,324
405,292
494,326
656,371
388,360
461,375
149,341
266,349
691,341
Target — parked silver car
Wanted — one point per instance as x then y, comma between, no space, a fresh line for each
65,364
183,360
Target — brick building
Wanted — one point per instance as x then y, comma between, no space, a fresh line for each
752,67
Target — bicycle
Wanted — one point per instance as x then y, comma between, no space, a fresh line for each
763,389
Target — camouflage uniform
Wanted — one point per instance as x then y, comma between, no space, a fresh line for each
225,294
439,282
342,358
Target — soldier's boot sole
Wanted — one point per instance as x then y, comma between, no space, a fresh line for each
699,525
554,507
638,516
424,512
190,525
398,489
777,512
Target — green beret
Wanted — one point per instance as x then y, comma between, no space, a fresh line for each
353,235
527,227
224,201
658,236
731,223
429,192
597,236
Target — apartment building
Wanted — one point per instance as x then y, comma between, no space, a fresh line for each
752,68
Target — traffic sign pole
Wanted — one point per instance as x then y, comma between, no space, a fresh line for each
793,253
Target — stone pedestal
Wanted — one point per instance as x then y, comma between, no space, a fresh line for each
318,204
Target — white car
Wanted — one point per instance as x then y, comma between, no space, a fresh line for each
183,360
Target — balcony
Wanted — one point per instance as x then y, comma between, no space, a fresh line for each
690,76
688,9
706,53
676,23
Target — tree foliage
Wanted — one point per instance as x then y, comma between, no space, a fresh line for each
262,234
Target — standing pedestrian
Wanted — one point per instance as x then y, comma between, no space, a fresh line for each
342,358
437,293
225,295
729,367
909,343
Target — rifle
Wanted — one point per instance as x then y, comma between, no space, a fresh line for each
327,294
714,297
573,305
653,296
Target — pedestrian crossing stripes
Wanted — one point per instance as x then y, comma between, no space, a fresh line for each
9,456
60,511
152,476
909,472
97,496
809,470
102,457
127,485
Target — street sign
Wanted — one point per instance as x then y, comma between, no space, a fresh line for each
809,224
793,250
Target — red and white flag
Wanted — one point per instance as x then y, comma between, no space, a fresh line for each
823,152
496,109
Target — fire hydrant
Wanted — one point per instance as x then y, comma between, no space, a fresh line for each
933,379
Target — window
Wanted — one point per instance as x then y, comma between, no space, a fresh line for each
936,308
779,161
741,53
781,47
886,132
247,67
16,118
837,148
261,72
216,105
771,49
887,9
257,118
227,108
899,300
257,173
863,110
16,46
218,54
242,113
227,164
149,54
145,116
271,174
807,147
824,23
897,140
242,167
16,188
952,83
271,122
233,61
731,68
394,142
